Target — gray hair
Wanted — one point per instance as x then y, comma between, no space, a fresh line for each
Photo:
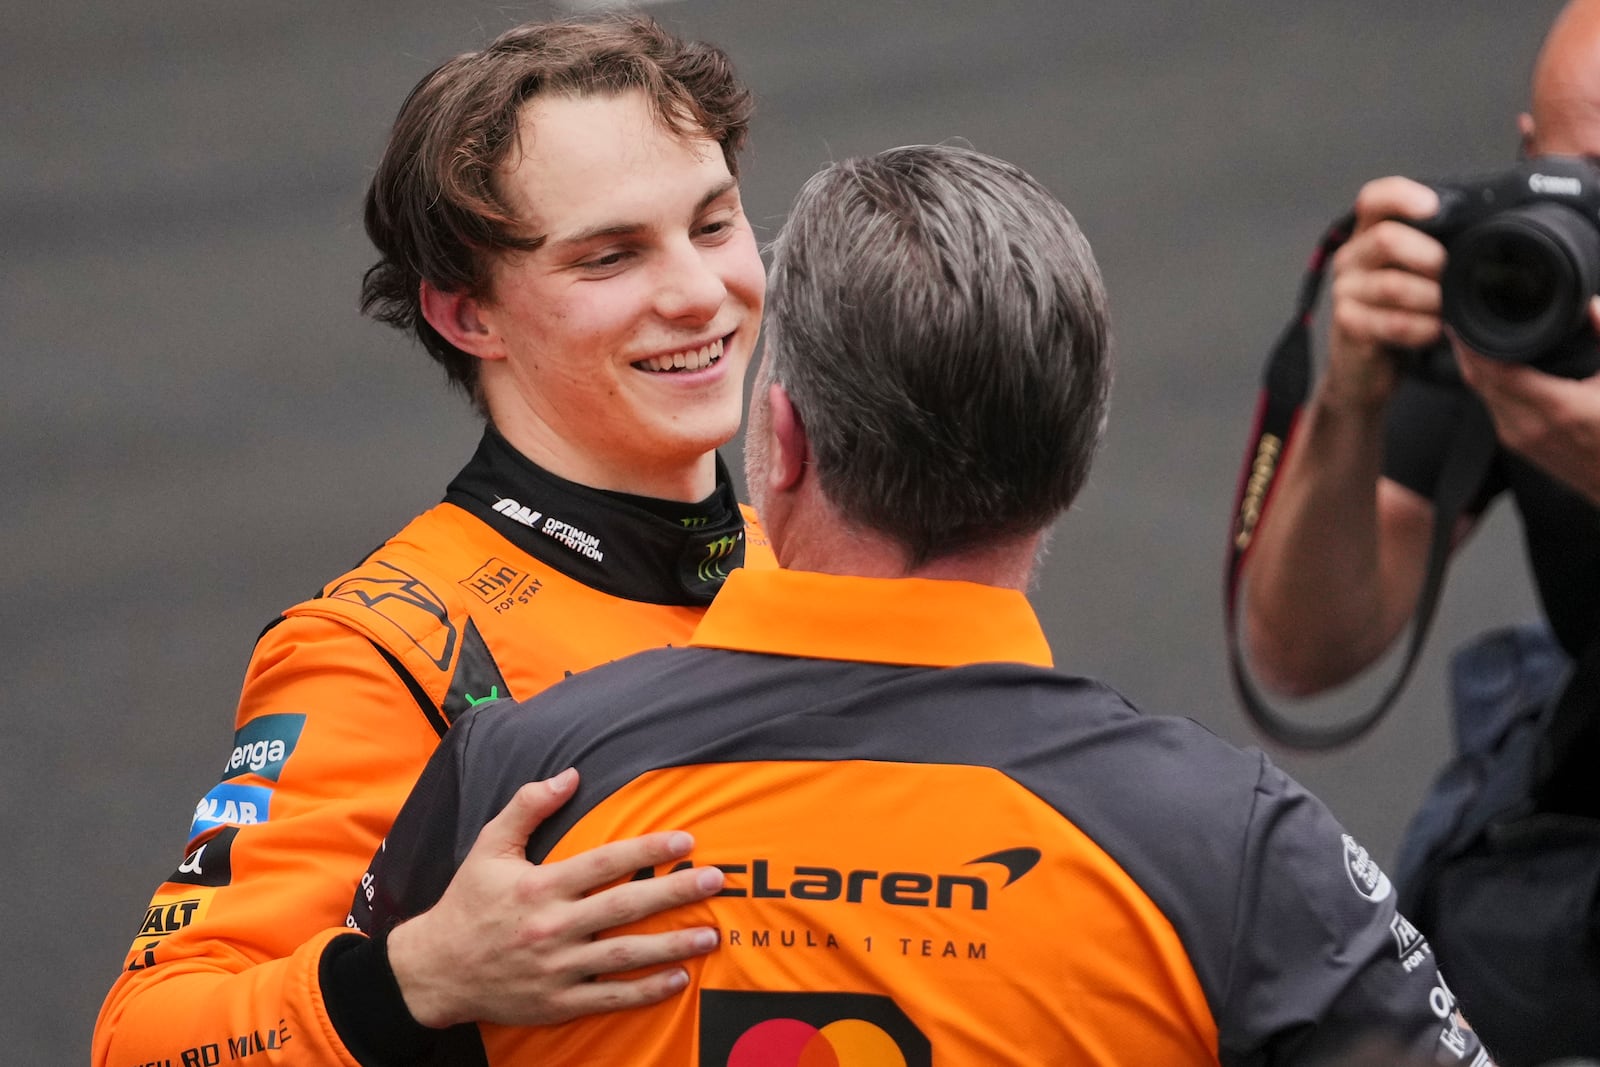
940,326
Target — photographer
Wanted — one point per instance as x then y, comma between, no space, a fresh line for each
1339,558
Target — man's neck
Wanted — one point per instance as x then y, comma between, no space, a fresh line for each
812,538
686,480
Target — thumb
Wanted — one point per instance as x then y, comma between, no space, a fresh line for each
507,833
1594,313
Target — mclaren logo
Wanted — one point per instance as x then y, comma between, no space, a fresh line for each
713,568
1016,861
766,879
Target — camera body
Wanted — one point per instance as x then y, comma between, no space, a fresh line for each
1524,260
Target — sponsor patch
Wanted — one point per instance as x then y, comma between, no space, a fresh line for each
580,541
1455,1037
494,581
407,602
518,512
800,1029
209,863
1409,943
167,914
231,805
263,745
714,567
1365,875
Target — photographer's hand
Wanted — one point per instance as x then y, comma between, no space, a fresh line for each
1385,293
1551,421
1334,569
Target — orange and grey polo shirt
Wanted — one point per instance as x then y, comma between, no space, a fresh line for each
939,850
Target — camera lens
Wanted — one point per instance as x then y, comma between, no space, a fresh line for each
1511,278
1516,284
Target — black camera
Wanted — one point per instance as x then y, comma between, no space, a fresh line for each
1524,259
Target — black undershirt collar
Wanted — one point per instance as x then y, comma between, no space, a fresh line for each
639,548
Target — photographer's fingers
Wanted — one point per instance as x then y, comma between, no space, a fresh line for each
1393,197
1385,295
1391,245
1550,420
1391,307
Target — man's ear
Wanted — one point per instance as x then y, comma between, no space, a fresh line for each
458,319
1525,131
791,449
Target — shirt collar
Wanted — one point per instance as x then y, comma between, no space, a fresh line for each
909,621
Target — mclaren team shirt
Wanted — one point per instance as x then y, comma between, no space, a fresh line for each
939,850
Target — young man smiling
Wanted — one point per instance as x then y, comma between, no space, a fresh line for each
558,221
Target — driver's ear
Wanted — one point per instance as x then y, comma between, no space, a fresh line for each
459,319
1525,132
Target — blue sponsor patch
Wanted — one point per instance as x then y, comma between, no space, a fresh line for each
262,746
231,805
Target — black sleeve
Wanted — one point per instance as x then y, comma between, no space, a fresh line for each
366,1008
1321,953
1418,424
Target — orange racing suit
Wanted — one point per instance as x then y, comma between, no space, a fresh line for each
517,579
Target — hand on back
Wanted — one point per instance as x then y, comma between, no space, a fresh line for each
519,943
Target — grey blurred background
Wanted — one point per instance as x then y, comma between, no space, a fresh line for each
199,429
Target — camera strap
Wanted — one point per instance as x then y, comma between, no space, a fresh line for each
1286,382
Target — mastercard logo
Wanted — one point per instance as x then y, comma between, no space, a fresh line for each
792,1043
750,1028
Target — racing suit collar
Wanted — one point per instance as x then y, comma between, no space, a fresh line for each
654,551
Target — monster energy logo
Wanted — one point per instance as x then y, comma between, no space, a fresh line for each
711,568
695,520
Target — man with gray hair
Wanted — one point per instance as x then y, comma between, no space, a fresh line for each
936,845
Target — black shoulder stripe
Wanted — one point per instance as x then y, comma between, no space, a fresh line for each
477,679
435,719
265,630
